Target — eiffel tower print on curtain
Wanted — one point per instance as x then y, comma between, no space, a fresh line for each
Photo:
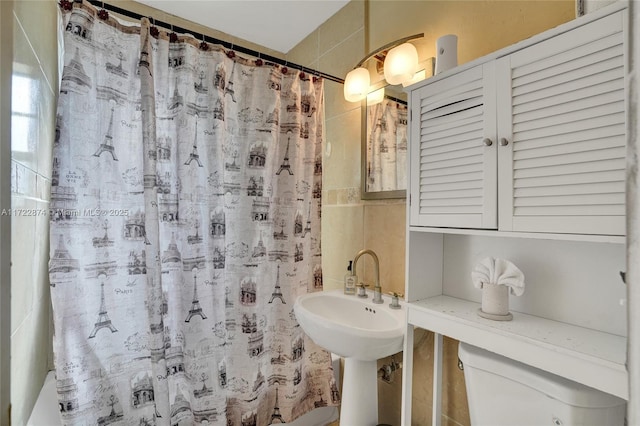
285,162
74,78
196,309
277,292
103,318
307,228
193,156
229,89
276,412
107,144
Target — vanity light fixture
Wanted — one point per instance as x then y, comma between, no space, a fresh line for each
400,60
356,84
401,64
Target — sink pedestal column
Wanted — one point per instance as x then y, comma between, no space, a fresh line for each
359,404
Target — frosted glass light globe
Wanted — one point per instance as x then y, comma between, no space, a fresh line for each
356,85
401,64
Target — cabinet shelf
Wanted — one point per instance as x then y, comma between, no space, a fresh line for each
587,356
613,239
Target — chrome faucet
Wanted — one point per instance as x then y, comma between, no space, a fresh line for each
377,290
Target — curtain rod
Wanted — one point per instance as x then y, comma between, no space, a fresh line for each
213,40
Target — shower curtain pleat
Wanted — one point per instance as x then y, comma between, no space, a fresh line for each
186,199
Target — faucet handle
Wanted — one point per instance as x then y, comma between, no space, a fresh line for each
395,303
361,290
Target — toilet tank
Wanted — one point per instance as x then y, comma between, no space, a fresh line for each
505,392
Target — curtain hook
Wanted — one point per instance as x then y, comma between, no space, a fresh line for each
231,54
259,60
285,69
173,37
204,46
66,4
154,31
103,14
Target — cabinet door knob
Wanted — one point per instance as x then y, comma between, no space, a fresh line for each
487,142
504,142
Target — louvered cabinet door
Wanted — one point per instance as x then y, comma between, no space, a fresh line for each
453,151
561,133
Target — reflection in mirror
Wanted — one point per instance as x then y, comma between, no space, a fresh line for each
385,146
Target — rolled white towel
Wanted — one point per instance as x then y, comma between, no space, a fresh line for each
500,272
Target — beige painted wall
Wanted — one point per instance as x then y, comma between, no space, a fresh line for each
349,223
35,88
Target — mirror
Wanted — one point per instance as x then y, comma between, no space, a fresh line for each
384,143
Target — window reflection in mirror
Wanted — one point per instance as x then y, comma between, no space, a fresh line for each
384,145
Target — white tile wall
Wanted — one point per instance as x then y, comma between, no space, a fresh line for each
34,100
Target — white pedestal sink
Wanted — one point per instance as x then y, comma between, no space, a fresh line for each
361,332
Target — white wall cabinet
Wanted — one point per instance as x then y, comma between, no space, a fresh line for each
530,141
453,154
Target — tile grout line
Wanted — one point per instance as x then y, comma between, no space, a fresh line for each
30,169
344,40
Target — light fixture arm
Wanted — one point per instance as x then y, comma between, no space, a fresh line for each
400,65
387,47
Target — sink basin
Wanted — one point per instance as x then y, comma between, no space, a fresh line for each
350,326
361,332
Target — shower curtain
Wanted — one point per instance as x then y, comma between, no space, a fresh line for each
185,222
